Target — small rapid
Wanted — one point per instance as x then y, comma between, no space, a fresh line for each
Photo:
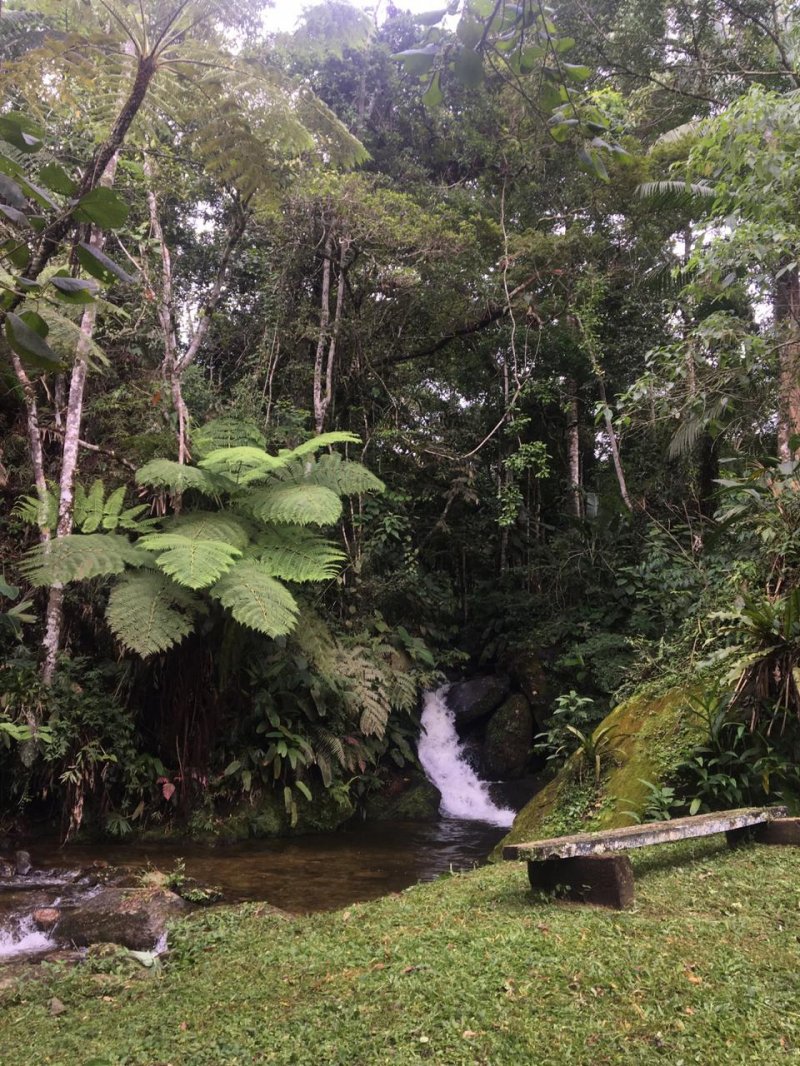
441,754
21,937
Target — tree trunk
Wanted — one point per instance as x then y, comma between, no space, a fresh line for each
614,445
54,617
574,450
787,319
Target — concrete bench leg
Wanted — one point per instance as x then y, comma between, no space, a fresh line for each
779,831
606,880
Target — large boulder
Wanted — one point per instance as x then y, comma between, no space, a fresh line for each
475,699
509,736
408,797
527,671
135,918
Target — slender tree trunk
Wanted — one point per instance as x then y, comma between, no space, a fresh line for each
54,617
322,340
613,441
574,449
787,318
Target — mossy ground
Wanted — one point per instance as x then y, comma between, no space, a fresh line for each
471,969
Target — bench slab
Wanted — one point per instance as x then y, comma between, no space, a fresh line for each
641,836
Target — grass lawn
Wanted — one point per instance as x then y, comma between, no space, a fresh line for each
470,969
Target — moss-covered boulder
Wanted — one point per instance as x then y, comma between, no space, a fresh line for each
652,735
509,736
528,674
408,797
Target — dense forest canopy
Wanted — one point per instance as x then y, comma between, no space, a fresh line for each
336,361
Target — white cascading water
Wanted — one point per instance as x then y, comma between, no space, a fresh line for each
24,939
441,754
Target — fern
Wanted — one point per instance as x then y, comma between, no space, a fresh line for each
342,476
211,525
243,465
89,507
324,440
226,432
299,504
193,563
179,478
33,513
256,599
148,613
79,557
298,555
676,194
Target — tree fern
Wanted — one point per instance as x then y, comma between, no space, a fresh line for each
299,504
342,476
211,525
226,431
324,440
79,557
148,613
243,465
180,478
194,563
256,599
298,555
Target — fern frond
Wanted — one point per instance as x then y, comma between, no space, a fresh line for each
685,437
300,504
177,477
210,525
324,440
342,476
33,513
298,555
227,431
79,557
677,195
193,563
148,613
243,465
366,691
256,599
89,506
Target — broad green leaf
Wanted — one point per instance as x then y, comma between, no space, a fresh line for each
21,132
577,72
430,18
29,345
11,193
74,290
17,253
104,207
13,214
469,68
54,177
36,322
417,61
100,266
432,96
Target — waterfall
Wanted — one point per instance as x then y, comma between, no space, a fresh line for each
24,939
441,753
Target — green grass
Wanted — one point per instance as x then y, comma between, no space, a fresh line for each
471,969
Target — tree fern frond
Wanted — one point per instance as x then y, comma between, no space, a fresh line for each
243,465
227,431
366,692
685,437
678,195
193,563
300,505
148,613
79,557
324,440
256,599
33,513
177,477
342,476
298,555
210,525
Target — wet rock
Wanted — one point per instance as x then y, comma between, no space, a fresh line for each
45,917
529,675
509,736
22,862
475,699
409,797
135,918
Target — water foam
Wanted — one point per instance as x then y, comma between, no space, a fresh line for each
441,754
24,939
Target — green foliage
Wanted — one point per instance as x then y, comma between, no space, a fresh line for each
571,712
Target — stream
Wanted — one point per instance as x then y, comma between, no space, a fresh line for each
303,874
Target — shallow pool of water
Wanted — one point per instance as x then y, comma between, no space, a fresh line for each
303,874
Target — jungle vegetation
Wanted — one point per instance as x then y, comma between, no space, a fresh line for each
337,360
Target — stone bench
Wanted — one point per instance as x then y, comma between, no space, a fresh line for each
584,867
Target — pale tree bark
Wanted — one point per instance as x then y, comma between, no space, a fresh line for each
54,617
613,442
175,363
325,355
787,318
574,449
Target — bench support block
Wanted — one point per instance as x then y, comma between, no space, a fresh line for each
606,880
779,831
